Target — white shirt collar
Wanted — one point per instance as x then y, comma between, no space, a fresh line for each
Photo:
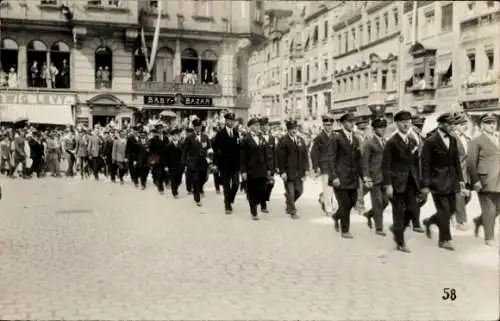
347,133
403,136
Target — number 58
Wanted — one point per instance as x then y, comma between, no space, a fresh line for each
449,294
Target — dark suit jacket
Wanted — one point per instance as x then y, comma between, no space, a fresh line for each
293,158
271,152
400,162
254,160
142,155
163,150
227,151
441,171
319,153
108,147
345,161
372,153
195,152
131,149
174,156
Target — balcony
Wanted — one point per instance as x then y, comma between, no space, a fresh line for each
177,88
106,11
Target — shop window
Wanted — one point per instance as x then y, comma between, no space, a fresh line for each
471,57
490,4
209,67
9,52
299,75
446,77
103,68
383,81
189,66
39,74
59,59
447,17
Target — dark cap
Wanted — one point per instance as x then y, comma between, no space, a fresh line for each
418,121
379,122
174,131
230,116
488,118
346,117
447,118
253,121
291,124
327,119
264,121
402,115
196,122
460,119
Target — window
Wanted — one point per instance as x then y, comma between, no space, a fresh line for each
316,70
351,83
325,67
445,78
447,17
339,40
327,97
315,35
9,52
394,79
140,65
344,85
395,14
104,3
325,30
291,78
408,34
258,11
39,74
354,40
367,79
358,82
369,31
298,75
472,62
491,59
470,6
49,2
377,28
386,23
153,4
339,89
285,84
490,4
59,65
375,80
384,80
208,66
429,22
103,68
307,73
360,35
346,41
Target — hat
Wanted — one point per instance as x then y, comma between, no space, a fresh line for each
361,122
291,124
445,118
379,122
174,131
488,118
327,119
196,122
460,119
253,121
418,121
346,117
264,121
230,116
402,115
275,123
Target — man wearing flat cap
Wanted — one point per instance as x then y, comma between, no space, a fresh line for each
141,161
345,172
401,176
226,146
197,149
321,163
372,154
483,163
271,143
293,163
174,161
442,177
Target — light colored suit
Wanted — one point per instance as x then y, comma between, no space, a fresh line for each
94,146
118,154
460,200
484,167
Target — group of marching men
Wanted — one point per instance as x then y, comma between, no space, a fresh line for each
404,167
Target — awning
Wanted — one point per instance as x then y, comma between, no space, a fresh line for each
443,65
38,114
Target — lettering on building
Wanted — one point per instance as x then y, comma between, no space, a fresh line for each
169,100
36,99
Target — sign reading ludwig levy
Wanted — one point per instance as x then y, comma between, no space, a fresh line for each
37,99
178,99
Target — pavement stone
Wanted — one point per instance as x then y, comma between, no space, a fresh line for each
73,250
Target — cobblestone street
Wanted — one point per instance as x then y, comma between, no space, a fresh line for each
73,250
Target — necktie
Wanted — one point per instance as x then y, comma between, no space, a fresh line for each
230,133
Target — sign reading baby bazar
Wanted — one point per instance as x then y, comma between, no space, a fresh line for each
169,100
36,99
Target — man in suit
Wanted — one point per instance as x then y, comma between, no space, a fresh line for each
360,131
270,142
174,161
345,172
19,153
484,169
196,152
107,151
293,163
254,166
141,161
119,157
226,147
36,154
321,163
400,168
372,154
131,154
216,175
418,124
94,147
442,176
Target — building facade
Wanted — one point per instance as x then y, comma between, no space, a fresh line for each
86,62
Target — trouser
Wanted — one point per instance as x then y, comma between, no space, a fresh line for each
70,171
461,202
161,177
142,173
118,168
327,191
404,206
346,199
175,180
5,165
83,165
360,198
189,183
94,161
217,181
18,161
490,209
132,171
445,206
269,185
230,184
53,164
36,166
293,190
379,203
113,170
198,178
256,193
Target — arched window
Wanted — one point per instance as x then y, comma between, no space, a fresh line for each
8,63
189,66
140,65
165,65
39,74
103,68
59,59
209,67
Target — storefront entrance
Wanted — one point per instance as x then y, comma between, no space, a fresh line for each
101,120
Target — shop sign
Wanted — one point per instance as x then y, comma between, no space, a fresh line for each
481,104
36,99
169,100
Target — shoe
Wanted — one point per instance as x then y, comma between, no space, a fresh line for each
369,219
347,235
476,226
427,225
381,233
143,187
255,217
462,227
228,211
491,243
447,246
294,216
264,210
198,204
403,248
418,229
